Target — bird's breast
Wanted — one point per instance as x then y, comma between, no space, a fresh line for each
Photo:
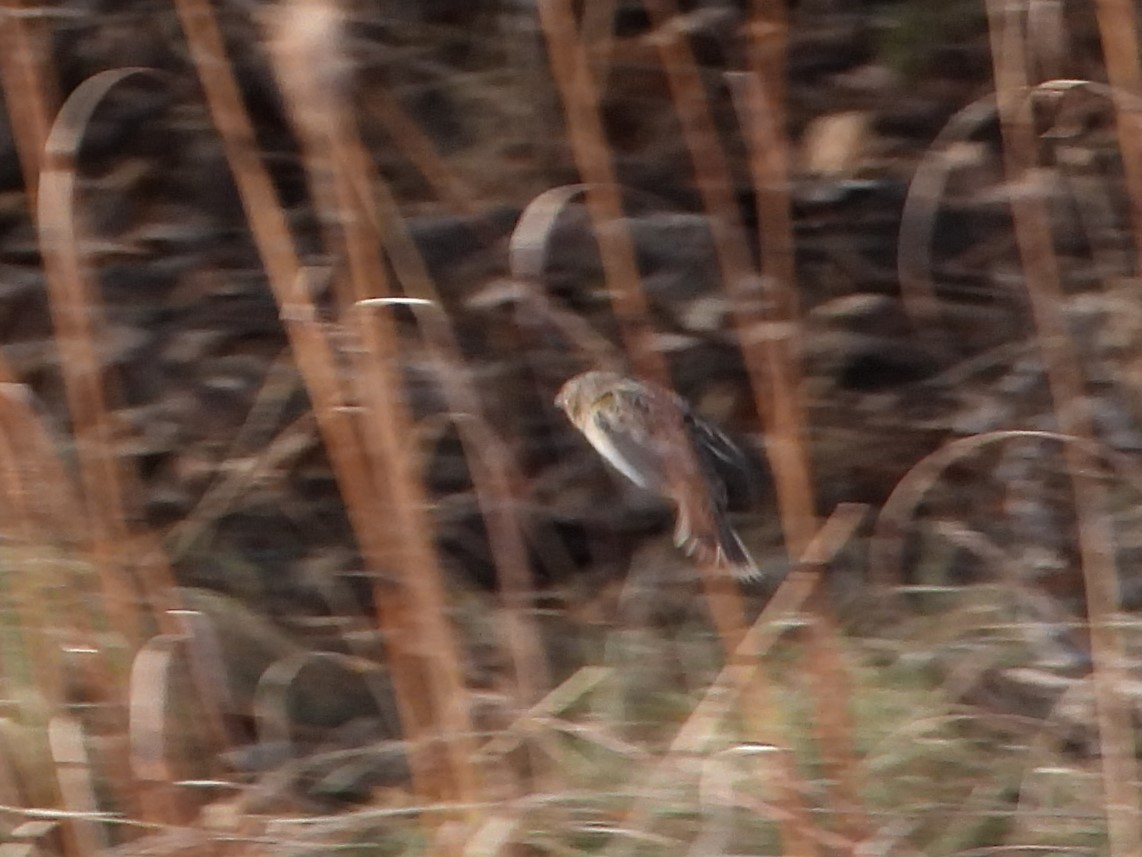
602,442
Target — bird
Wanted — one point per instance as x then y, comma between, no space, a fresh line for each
654,438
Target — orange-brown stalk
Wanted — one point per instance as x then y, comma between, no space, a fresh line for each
1096,539
30,89
1118,28
359,188
592,155
770,359
357,477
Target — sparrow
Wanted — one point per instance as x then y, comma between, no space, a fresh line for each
654,439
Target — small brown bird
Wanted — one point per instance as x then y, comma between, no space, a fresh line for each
652,437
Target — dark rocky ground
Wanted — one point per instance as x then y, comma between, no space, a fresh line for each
213,416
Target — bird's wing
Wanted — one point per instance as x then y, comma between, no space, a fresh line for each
716,453
622,429
712,443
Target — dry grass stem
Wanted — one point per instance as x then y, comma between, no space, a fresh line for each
572,72
833,720
495,477
1096,540
204,656
1118,27
773,363
388,421
769,48
27,590
149,710
75,313
771,348
30,96
55,504
596,32
736,684
318,368
359,188
771,360
420,149
77,786
45,521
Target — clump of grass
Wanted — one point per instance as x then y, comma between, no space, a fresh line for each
938,775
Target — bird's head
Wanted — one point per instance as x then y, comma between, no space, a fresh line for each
583,390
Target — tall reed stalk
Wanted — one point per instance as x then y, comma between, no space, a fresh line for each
1118,28
1072,411
580,93
370,486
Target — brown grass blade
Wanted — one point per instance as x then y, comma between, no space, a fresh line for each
573,75
258,442
771,360
527,260
582,682
149,708
75,314
207,669
829,679
421,572
886,549
54,505
27,588
497,483
596,32
53,608
130,563
921,206
77,786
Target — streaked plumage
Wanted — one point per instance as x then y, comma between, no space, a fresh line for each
652,437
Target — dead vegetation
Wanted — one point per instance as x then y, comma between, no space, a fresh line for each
299,557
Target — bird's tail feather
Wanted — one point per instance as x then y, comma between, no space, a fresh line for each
714,540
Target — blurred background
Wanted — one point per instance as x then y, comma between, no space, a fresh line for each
298,556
